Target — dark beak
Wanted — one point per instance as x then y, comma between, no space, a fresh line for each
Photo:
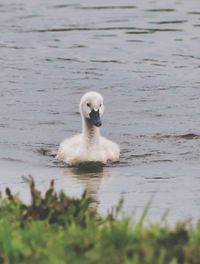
95,118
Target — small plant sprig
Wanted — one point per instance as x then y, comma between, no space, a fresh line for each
56,208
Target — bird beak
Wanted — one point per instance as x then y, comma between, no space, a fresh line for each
95,117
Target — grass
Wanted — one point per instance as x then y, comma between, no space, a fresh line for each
55,228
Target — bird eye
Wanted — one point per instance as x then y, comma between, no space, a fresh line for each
100,105
88,104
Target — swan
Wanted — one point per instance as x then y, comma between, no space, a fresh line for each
89,146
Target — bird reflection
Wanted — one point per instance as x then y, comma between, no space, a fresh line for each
90,176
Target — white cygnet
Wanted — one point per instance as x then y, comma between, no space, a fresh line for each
89,146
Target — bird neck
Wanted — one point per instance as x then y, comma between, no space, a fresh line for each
91,133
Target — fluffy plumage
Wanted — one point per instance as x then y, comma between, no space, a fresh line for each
89,146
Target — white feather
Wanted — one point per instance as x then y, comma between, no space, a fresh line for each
88,146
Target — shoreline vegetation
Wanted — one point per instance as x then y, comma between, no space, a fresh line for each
55,228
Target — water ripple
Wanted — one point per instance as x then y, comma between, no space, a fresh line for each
108,7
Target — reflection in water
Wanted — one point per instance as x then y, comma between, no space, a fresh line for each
144,59
90,176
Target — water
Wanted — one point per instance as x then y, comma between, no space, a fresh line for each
143,56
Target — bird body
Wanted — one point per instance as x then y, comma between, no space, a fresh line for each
89,146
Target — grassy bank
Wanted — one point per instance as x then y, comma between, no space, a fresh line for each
57,229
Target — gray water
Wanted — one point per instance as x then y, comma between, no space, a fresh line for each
144,57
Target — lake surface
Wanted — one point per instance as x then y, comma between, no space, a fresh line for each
144,57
